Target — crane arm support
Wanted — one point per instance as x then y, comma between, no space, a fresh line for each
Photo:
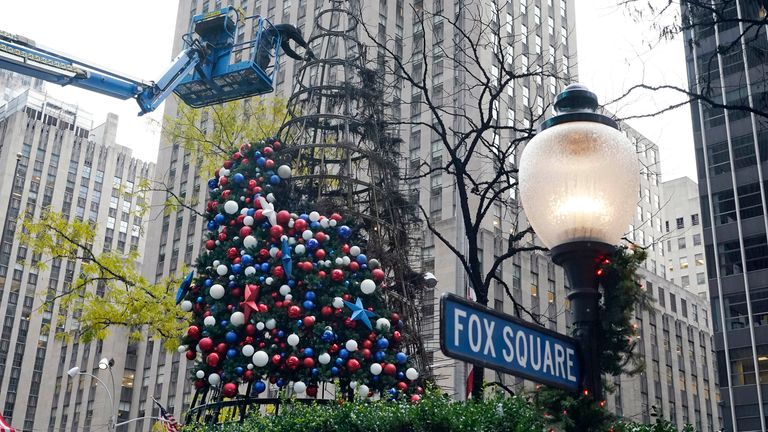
151,97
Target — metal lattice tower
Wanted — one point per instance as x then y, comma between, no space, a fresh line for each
345,159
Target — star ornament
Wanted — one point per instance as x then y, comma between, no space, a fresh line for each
268,210
359,313
287,260
184,287
251,296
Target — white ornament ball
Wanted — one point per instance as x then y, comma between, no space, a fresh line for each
181,348
237,319
249,241
214,379
354,251
250,366
200,374
248,220
217,291
307,234
332,222
209,321
324,223
231,207
314,216
269,281
338,302
411,374
285,290
339,262
186,305
293,339
353,385
260,358
346,260
364,390
216,263
368,286
299,249
373,263
383,324
288,297
324,358
299,387
271,323
224,172
259,326
376,369
248,350
284,171
273,252
351,345
250,271
222,269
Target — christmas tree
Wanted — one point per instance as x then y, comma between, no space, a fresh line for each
286,299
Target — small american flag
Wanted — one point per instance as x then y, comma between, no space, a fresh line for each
5,426
170,423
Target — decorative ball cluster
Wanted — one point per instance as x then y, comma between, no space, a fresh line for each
285,298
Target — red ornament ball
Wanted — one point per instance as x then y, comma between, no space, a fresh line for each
300,225
402,386
232,253
191,355
309,363
212,360
354,267
415,398
276,359
326,311
309,321
210,244
378,274
353,365
245,231
205,344
193,332
390,369
320,254
230,389
292,362
294,312
337,275
312,391
283,216
276,231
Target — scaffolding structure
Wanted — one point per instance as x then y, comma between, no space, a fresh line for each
345,158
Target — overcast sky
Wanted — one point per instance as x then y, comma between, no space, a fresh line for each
135,38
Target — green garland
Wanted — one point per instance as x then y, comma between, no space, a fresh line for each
622,293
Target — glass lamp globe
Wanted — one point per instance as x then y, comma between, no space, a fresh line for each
580,175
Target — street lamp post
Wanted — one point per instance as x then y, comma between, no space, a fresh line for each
108,364
579,178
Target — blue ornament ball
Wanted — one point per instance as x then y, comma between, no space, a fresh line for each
280,383
224,323
212,226
334,370
362,259
312,244
327,336
246,260
231,337
259,387
212,183
309,305
310,295
238,178
344,231
401,357
260,162
208,283
401,376
231,353
339,361
232,284
239,371
275,179
379,356
382,343
315,372
343,353
309,352
265,267
236,268
220,218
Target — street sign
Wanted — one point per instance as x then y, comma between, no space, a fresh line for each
478,335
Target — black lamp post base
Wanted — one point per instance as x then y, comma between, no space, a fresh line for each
581,260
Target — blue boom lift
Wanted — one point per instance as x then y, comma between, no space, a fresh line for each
214,66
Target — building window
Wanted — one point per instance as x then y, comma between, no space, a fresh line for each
683,262
680,223
700,278
699,259
685,281
681,243
697,239
695,219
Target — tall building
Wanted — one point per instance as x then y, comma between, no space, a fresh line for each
12,83
537,33
725,56
683,237
53,157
